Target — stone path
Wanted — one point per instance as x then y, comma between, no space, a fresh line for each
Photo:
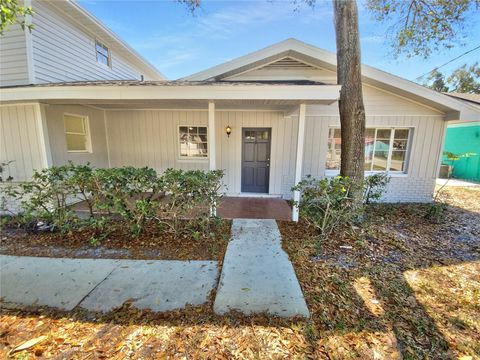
103,284
257,275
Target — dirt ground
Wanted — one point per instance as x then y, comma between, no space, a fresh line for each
399,286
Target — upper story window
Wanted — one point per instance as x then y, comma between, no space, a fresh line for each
193,141
386,149
77,133
103,54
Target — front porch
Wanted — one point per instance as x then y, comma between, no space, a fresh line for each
254,208
231,207
181,125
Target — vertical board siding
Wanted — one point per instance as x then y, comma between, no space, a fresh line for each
13,57
150,138
19,140
62,51
56,134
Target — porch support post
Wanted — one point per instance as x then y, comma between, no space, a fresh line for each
299,161
211,136
212,154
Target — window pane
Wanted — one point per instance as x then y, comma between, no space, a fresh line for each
334,150
383,133
193,141
399,144
74,124
401,134
76,142
380,160
398,161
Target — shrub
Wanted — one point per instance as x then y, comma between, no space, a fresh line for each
326,203
374,186
136,196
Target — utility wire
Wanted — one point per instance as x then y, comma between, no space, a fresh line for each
448,62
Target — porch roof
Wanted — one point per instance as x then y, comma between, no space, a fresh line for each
122,90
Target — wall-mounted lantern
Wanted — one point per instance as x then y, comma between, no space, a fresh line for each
228,130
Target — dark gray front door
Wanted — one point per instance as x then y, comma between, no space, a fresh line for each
255,159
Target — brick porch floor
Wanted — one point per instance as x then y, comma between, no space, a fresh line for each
254,208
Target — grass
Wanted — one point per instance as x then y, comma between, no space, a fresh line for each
407,288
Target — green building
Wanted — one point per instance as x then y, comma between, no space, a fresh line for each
462,139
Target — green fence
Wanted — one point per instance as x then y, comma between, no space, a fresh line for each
461,139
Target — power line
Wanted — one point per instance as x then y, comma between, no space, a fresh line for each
448,62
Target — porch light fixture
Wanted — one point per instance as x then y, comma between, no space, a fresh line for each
228,130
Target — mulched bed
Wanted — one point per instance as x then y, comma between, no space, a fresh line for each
120,244
399,286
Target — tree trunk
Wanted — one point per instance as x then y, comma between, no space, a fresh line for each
352,110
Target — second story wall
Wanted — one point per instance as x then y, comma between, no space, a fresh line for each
65,51
13,57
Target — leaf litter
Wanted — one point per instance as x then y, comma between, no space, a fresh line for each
411,290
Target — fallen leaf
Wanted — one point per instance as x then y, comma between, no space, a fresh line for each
28,344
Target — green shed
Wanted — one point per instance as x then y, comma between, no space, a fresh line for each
462,139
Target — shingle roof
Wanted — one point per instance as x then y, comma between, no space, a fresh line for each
474,98
170,83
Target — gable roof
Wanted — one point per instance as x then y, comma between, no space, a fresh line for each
91,24
310,55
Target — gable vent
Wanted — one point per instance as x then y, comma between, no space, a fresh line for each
288,63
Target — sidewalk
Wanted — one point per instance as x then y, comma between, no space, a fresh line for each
103,284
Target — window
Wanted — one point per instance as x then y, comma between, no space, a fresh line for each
385,149
103,54
76,133
193,141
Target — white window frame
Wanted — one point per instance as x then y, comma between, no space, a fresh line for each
109,53
192,158
88,142
333,172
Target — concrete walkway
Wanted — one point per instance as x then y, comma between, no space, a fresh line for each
257,275
103,284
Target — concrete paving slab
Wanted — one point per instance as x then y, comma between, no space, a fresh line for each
157,285
257,275
60,283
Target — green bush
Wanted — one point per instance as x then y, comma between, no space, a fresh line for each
374,186
137,196
328,202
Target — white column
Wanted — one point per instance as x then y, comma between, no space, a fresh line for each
212,155
299,161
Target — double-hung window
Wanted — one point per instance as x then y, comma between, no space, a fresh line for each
77,133
193,141
386,149
103,54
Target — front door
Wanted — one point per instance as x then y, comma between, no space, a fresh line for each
255,159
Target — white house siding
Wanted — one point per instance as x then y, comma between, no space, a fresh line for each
21,140
56,132
13,57
22,143
150,138
63,51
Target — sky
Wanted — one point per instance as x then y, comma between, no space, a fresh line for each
179,44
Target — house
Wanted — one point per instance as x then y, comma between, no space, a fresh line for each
463,138
82,94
